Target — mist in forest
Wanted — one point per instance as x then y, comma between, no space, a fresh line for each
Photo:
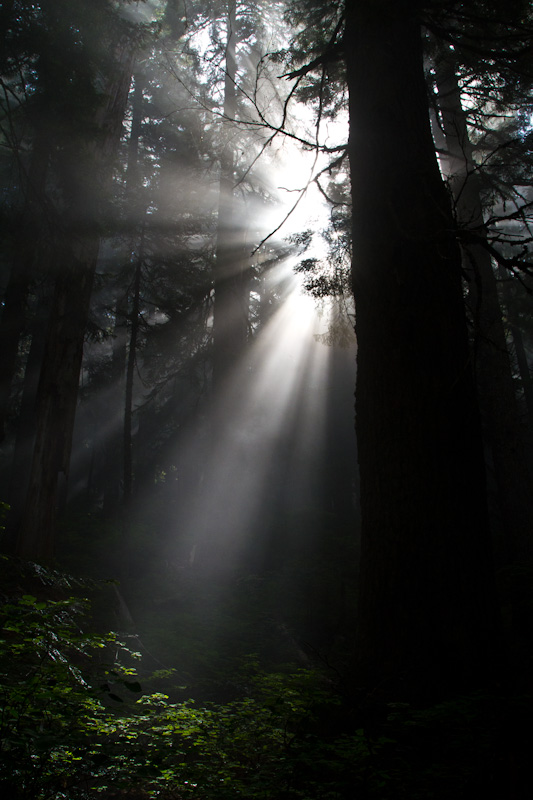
252,475
266,399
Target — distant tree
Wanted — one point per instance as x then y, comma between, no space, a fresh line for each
150,308
231,279
87,136
14,321
135,196
469,179
243,190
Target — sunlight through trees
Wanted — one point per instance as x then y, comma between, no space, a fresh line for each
220,219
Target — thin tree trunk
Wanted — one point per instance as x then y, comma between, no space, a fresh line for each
231,283
524,370
113,458
426,613
130,375
134,189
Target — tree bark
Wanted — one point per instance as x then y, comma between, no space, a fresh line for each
502,429
14,315
113,457
134,190
86,168
25,434
230,309
523,369
426,615
56,398
130,374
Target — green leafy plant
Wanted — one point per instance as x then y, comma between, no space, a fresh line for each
75,722
54,676
78,722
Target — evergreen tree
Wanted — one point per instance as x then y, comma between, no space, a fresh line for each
470,180
426,613
76,77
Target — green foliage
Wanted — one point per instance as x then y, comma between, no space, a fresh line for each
78,722
50,671
73,724
263,745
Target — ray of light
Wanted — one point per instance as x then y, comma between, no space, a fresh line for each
266,434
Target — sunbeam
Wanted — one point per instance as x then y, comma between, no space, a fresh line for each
211,586
268,423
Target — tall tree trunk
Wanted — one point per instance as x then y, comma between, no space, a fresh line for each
14,315
426,615
524,370
113,459
502,429
137,253
25,431
230,310
130,375
57,396
58,384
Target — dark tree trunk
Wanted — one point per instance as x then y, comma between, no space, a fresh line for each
134,192
14,315
502,429
25,436
524,370
130,375
56,398
231,279
426,616
113,458
86,168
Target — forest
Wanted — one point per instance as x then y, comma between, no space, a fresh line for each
266,399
